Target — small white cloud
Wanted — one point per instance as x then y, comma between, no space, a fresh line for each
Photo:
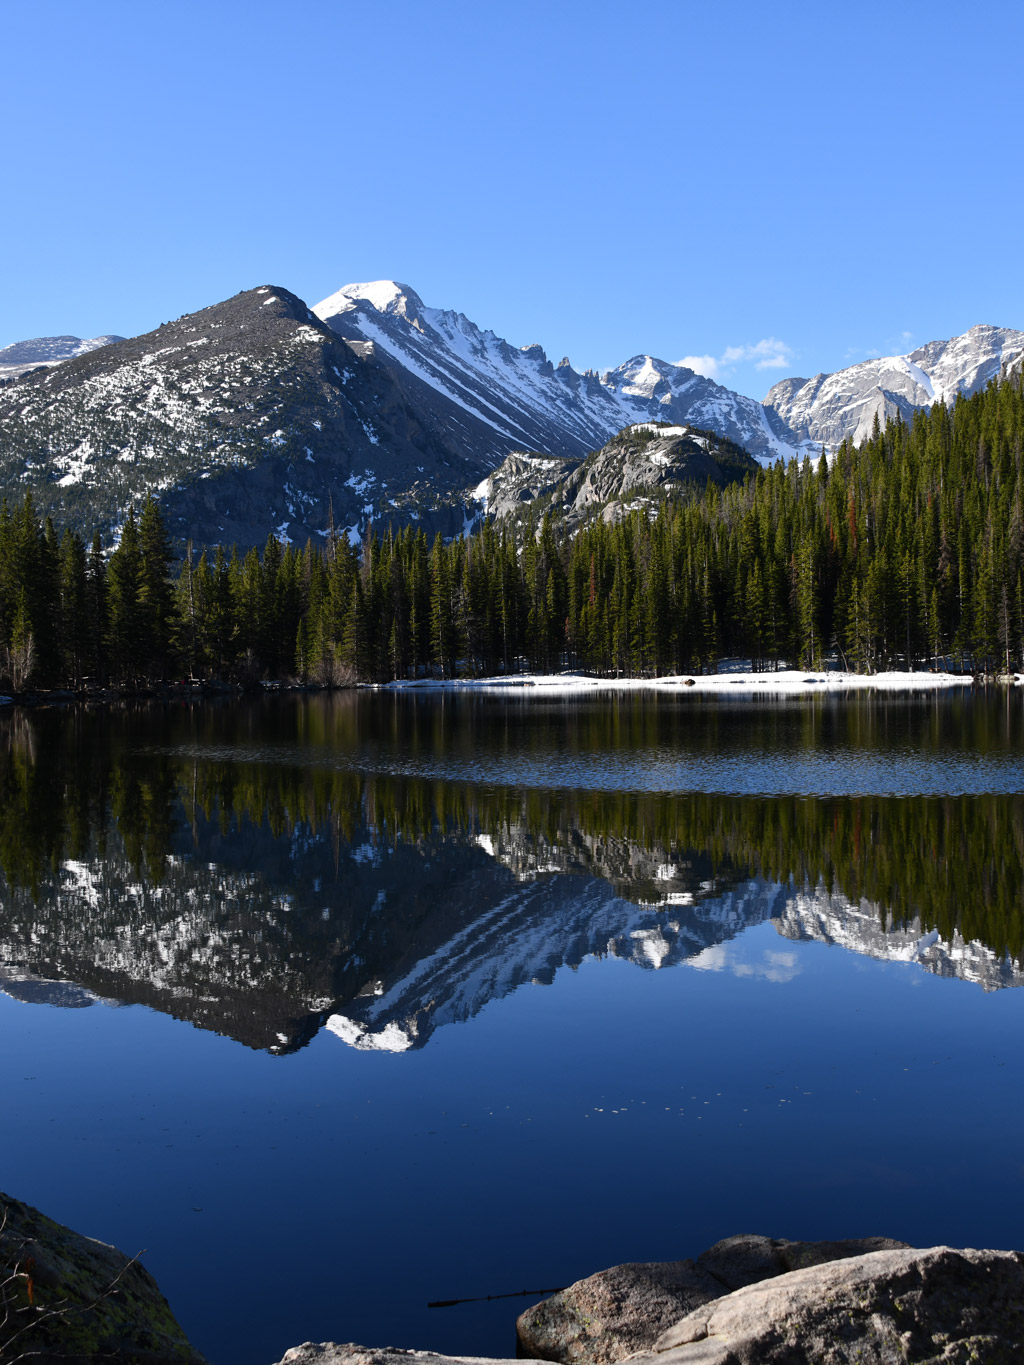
701,364
906,336
767,354
772,967
769,966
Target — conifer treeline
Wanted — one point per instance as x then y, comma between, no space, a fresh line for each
907,549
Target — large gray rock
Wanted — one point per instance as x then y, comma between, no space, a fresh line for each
616,1312
926,1307
66,1298
610,1315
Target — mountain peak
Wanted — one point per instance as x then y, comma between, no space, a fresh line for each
384,296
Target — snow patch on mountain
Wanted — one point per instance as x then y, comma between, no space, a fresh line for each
524,401
831,408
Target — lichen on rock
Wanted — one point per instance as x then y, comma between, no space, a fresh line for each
69,1299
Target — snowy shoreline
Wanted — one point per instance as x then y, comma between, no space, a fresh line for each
789,681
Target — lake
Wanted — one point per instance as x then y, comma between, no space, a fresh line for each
340,1004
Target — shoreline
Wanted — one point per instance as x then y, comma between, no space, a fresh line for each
786,681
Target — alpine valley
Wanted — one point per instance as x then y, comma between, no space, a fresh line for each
261,416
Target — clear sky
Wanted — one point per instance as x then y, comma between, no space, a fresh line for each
776,188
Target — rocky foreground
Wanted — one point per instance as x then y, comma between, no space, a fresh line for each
748,1300
765,1301
69,1299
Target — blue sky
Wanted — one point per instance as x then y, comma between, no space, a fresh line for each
776,188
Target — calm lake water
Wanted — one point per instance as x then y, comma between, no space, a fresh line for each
340,1005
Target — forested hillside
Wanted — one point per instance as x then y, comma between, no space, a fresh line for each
905,550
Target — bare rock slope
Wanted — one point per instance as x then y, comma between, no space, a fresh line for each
831,408
638,468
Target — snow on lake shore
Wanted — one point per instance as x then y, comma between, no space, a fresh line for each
786,680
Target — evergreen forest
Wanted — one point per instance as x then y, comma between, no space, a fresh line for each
904,552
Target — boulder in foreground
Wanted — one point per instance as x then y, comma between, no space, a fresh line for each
66,1298
617,1312
884,1308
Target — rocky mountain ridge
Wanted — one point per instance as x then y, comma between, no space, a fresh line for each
261,416
516,394
637,469
831,408
512,397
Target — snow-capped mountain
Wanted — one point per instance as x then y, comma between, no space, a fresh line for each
22,356
831,408
511,397
507,398
259,415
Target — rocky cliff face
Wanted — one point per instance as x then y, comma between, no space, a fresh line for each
831,408
499,397
637,469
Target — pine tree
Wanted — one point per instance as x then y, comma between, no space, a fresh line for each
155,593
124,606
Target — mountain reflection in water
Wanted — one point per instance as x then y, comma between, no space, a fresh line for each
252,872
